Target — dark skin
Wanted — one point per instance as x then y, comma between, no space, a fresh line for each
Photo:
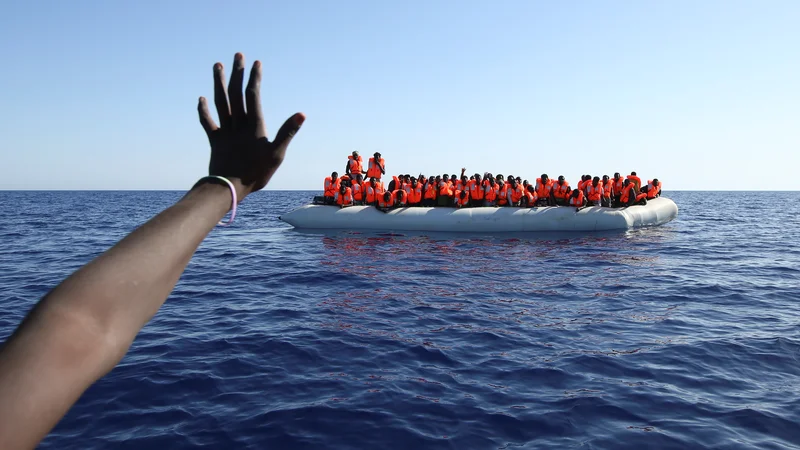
81,329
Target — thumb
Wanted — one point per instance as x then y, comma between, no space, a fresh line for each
288,130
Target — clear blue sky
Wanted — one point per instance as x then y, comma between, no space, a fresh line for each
701,94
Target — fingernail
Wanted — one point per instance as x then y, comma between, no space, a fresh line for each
299,118
238,56
257,64
218,67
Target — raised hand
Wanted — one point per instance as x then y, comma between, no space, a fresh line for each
240,149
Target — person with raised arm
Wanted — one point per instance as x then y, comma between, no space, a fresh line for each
82,328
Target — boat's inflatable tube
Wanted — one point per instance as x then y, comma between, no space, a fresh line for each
658,211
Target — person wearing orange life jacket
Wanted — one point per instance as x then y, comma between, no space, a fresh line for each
529,200
400,198
490,190
577,199
544,191
629,197
331,187
430,190
376,167
357,187
476,191
446,192
415,193
608,189
652,189
594,192
514,193
385,201
461,199
371,191
462,184
344,197
617,184
354,165
502,193
581,184
636,180
561,190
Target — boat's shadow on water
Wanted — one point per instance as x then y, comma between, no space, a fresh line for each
533,236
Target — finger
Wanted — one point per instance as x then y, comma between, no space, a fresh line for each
221,96
205,118
235,91
288,130
253,98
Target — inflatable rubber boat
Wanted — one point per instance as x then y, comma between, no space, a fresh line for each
657,211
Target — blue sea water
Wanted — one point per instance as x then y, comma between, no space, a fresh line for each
680,336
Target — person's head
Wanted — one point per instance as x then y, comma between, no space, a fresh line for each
595,180
617,175
499,178
413,180
561,179
655,182
525,183
626,182
576,192
453,178
377,155
334,175
519,180
445,177
633,174
387,196
438,178
431,179
464,178
512,182
407,178
488,176
358,178
355,154
342,188
605,178
401,195
477,178
544,178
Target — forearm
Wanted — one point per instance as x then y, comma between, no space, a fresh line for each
82,328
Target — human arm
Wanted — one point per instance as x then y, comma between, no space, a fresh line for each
81,329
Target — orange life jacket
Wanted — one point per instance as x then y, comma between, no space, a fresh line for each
560,190
515,193
346,199
635,179
386,203
490,193
373,170
354,164
475,190
430,191
370,193
581,185
462,201
396,197
502,195
543,190
331,187
531,196
626,193
358,192
607,187
445,189
593,193
576,201
415,196
653,190
618,185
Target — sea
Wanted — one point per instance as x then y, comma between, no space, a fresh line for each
681,336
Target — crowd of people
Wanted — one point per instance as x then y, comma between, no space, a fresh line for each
366,187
